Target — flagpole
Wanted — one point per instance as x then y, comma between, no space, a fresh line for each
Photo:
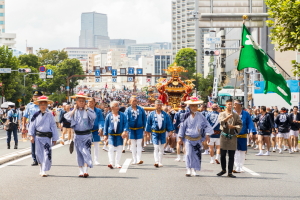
244,20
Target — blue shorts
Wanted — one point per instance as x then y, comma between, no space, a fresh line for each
242,144
156,137
136,134
254,133
115,140
96,136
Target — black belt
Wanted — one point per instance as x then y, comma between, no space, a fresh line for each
43,134
83,132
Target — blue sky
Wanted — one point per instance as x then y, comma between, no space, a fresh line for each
55,24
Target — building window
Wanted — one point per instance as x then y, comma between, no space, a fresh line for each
1,6
1,14
1,22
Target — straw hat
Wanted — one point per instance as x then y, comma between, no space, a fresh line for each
80,95
193,100
43,99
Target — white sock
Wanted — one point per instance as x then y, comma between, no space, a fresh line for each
178,156
212,158
81,170
218,156
260,151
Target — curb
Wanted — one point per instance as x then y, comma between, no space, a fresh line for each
13,156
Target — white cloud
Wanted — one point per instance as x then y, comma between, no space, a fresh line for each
55,24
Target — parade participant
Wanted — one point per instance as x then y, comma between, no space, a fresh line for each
248,125
31,108
115,130
97,128
82,121
12,124
264,127
43,133
178,119
158,122
295,125
212,118
231,125
194,130
274,138
284,123
136,118
66,126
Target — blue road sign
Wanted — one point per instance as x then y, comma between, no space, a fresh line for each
131,70
139,71
90,71
97,80
114,72
97,72
42,69
109,68
129,79
49,72
67,88
114,80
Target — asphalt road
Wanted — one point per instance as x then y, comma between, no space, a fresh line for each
271,177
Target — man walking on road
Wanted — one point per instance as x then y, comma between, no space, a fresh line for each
31,109
231,125
295,125
12,124
82,121
136,117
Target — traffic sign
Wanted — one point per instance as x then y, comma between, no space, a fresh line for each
97,72
49,72
114,79
97,80
130,70
5,70
67,88
49,76
215,88
34,86
19,100
109,68
148,80
129,79
104,71
114,72
213,40
90,71
42,75
42,69
139,71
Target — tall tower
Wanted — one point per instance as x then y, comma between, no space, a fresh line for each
2,16
94,31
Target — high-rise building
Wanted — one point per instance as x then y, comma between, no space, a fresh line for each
185,30
94,33
121,43
2,16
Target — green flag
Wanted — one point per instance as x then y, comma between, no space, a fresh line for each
252,56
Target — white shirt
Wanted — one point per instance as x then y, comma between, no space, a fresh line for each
116,119
159,120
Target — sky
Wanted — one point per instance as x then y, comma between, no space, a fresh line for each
55,24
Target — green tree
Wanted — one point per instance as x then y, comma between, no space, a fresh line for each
285,23
29,60
186,58
54,57
204,85
10,81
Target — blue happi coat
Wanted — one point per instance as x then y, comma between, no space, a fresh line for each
159,135
115,138
136,123
98,124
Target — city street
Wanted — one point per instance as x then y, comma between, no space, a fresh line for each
273,177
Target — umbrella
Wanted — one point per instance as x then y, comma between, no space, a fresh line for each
6,104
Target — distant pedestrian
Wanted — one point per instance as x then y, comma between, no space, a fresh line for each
12,125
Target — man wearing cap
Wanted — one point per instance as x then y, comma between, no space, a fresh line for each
31,108
97,129
136,118
42,130
82,121
283,122
158,122
178,120
194,130
12,119
115,130
240,153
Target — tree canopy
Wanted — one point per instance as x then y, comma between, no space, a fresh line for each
54,57
186,58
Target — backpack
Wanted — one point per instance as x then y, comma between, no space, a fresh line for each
13,121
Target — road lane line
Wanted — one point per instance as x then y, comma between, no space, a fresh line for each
125,165
250,171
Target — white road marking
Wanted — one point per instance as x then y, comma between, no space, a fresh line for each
125,165
250,171
23,158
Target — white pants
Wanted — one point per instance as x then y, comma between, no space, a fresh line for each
239,159
158,152
136,149
96,151
111,154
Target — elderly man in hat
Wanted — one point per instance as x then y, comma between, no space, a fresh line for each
82,121
159,122
43,133
30,110
194,130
